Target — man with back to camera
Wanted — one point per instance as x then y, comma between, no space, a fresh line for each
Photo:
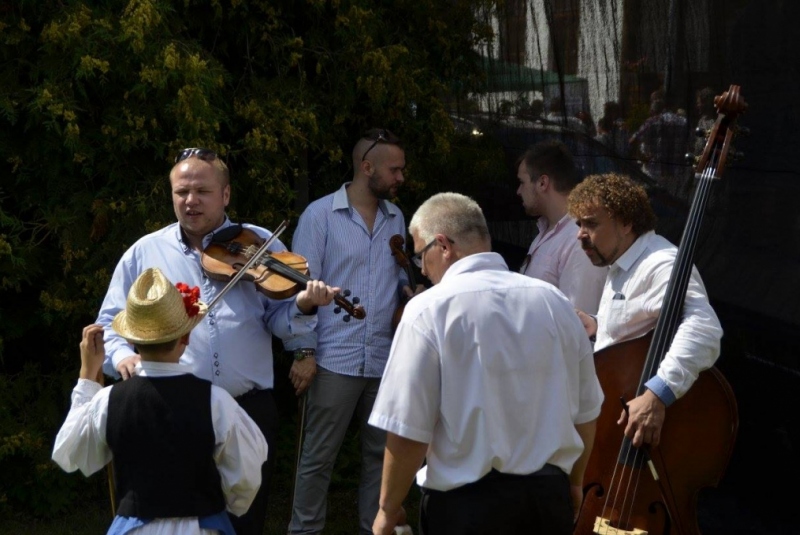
469,388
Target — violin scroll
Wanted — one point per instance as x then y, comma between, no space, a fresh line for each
397,245
352,307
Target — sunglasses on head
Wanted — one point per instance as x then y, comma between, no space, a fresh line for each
377,136
207,155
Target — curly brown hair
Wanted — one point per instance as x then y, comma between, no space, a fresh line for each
624,200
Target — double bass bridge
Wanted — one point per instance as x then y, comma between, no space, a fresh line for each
602,526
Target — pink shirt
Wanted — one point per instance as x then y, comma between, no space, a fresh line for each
555,256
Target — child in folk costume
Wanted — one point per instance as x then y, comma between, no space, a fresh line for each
183,449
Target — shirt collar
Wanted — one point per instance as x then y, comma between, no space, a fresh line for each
476,262
634,252
542,223
341,202
161,369
206,239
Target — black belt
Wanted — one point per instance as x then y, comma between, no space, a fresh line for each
252,393
546,470
496,475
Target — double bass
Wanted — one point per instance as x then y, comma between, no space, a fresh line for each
653,490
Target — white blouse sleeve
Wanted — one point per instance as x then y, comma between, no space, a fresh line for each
239,452
81,441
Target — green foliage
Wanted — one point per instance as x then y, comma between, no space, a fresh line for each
30,408
96,97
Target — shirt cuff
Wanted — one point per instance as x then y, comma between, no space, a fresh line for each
661,390
295,310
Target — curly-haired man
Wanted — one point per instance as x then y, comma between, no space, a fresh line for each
616,225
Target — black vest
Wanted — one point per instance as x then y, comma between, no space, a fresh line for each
162,437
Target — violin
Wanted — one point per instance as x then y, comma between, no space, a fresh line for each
277,275
397,243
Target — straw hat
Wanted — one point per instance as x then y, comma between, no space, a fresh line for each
155,311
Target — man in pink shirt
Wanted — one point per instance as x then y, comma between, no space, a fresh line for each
547,174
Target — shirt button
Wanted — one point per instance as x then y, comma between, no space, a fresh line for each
216,363
211,322
217,373
216,355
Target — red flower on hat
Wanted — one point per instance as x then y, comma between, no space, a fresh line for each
190,297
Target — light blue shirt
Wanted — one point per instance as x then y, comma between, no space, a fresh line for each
232,345
340,250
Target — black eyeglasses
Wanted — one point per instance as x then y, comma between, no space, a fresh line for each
417,258
381,135
207,155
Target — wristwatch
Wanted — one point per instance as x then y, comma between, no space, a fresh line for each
301,354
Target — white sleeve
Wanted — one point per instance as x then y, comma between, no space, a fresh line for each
400,408
240,450
81,441
696,344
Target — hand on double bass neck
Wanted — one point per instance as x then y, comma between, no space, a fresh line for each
643,417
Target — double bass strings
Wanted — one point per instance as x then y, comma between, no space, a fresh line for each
631,457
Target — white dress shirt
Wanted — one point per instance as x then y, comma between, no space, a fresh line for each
632,299
555,256
491,369
239,451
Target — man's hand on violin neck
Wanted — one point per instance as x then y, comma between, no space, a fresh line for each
316,293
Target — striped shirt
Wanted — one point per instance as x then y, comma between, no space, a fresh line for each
232,346
340,250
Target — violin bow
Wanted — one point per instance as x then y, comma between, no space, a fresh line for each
253,260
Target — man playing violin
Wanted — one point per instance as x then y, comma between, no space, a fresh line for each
615,228
345,235
232,346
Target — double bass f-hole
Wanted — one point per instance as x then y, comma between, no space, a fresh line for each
277,275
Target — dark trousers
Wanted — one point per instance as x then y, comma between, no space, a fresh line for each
260,406
533,504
